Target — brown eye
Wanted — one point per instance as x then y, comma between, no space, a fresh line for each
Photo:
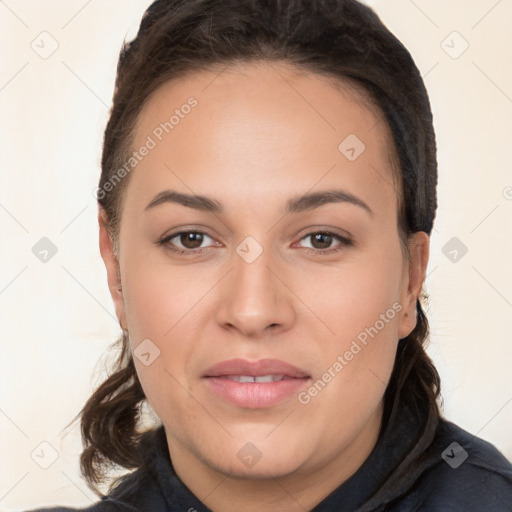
186,242
321,240
191,239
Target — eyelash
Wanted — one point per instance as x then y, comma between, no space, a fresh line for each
344,242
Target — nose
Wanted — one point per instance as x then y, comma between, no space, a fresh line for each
255,299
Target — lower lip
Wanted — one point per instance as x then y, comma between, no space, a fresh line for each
255,395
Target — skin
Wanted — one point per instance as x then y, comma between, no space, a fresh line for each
260,135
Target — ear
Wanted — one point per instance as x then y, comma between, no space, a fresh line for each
414,275
112,266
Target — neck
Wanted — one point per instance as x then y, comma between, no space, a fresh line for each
298,491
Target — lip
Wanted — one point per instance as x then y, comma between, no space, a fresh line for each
255,395
255,368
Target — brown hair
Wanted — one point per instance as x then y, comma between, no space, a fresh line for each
340,39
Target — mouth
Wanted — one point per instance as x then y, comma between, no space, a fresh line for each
255,385
262,368
251,378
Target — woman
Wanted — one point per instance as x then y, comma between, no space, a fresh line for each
267,194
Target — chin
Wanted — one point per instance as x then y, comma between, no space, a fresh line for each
247,460
262,470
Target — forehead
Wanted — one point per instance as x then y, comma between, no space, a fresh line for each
261,129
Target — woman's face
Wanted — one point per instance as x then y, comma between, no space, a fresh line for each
267,275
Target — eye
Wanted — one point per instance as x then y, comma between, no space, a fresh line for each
190,241
321,242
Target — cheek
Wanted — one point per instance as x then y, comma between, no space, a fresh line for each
159,296
361,308
165,304
351,298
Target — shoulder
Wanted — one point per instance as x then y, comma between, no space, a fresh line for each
464,472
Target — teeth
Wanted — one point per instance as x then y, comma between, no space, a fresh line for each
250,378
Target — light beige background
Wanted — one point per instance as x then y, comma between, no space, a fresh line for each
57,319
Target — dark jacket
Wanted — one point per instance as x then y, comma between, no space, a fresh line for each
458,472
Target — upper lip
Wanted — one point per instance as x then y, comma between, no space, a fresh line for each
255,369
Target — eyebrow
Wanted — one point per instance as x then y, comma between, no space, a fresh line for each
303,203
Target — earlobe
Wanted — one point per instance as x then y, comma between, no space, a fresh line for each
419,247
112,266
